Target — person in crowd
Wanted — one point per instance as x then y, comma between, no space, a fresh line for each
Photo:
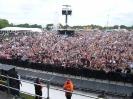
38,89
68,87
96,50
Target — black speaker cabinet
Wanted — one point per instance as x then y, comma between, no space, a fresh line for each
66,32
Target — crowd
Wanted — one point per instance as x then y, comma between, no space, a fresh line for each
96,50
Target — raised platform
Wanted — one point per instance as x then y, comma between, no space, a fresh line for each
68,32
89,85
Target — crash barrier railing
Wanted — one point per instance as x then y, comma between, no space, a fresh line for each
9,88
74,70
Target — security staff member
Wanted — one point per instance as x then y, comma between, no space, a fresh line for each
38,89
68,86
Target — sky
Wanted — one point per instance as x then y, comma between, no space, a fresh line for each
84,12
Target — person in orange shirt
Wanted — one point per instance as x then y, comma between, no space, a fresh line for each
68,87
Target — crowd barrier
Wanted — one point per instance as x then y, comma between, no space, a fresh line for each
47,82
75,71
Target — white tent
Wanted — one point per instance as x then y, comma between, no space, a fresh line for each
21,28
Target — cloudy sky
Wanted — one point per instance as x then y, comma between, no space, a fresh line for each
85,12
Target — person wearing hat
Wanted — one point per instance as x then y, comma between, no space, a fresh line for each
68,87
38,88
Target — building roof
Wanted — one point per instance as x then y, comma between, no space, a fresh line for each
21,28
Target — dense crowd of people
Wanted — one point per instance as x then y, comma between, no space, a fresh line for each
96,50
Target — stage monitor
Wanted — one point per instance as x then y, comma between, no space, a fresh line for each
66,12
69,12
66,32
63,12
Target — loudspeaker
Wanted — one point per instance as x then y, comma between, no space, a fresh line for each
66,32
69,12
64,12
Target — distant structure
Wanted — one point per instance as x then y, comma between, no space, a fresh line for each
13,29
107,27
66,11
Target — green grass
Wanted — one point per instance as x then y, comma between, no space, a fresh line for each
25,96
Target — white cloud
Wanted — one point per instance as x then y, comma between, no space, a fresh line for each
84,11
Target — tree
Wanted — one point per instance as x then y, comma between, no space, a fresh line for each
123,27
27,25
115,27
49,26
24,25
131,27
3,23
11,24
60,25
35,26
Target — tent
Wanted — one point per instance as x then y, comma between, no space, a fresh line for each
21,29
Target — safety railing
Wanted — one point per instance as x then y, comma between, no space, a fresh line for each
47,86
75,71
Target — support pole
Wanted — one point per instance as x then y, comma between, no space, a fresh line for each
48,83
66,21
8,90
66,24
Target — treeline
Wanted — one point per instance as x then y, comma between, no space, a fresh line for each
5,23
26,25
121,27
92,26
101,28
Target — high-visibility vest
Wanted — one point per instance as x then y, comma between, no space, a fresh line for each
68,86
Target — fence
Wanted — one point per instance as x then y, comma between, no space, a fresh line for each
9,88
84,72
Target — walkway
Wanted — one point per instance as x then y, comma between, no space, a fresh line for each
4,95
115,88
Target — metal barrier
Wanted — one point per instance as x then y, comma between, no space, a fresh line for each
47,86
74,70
